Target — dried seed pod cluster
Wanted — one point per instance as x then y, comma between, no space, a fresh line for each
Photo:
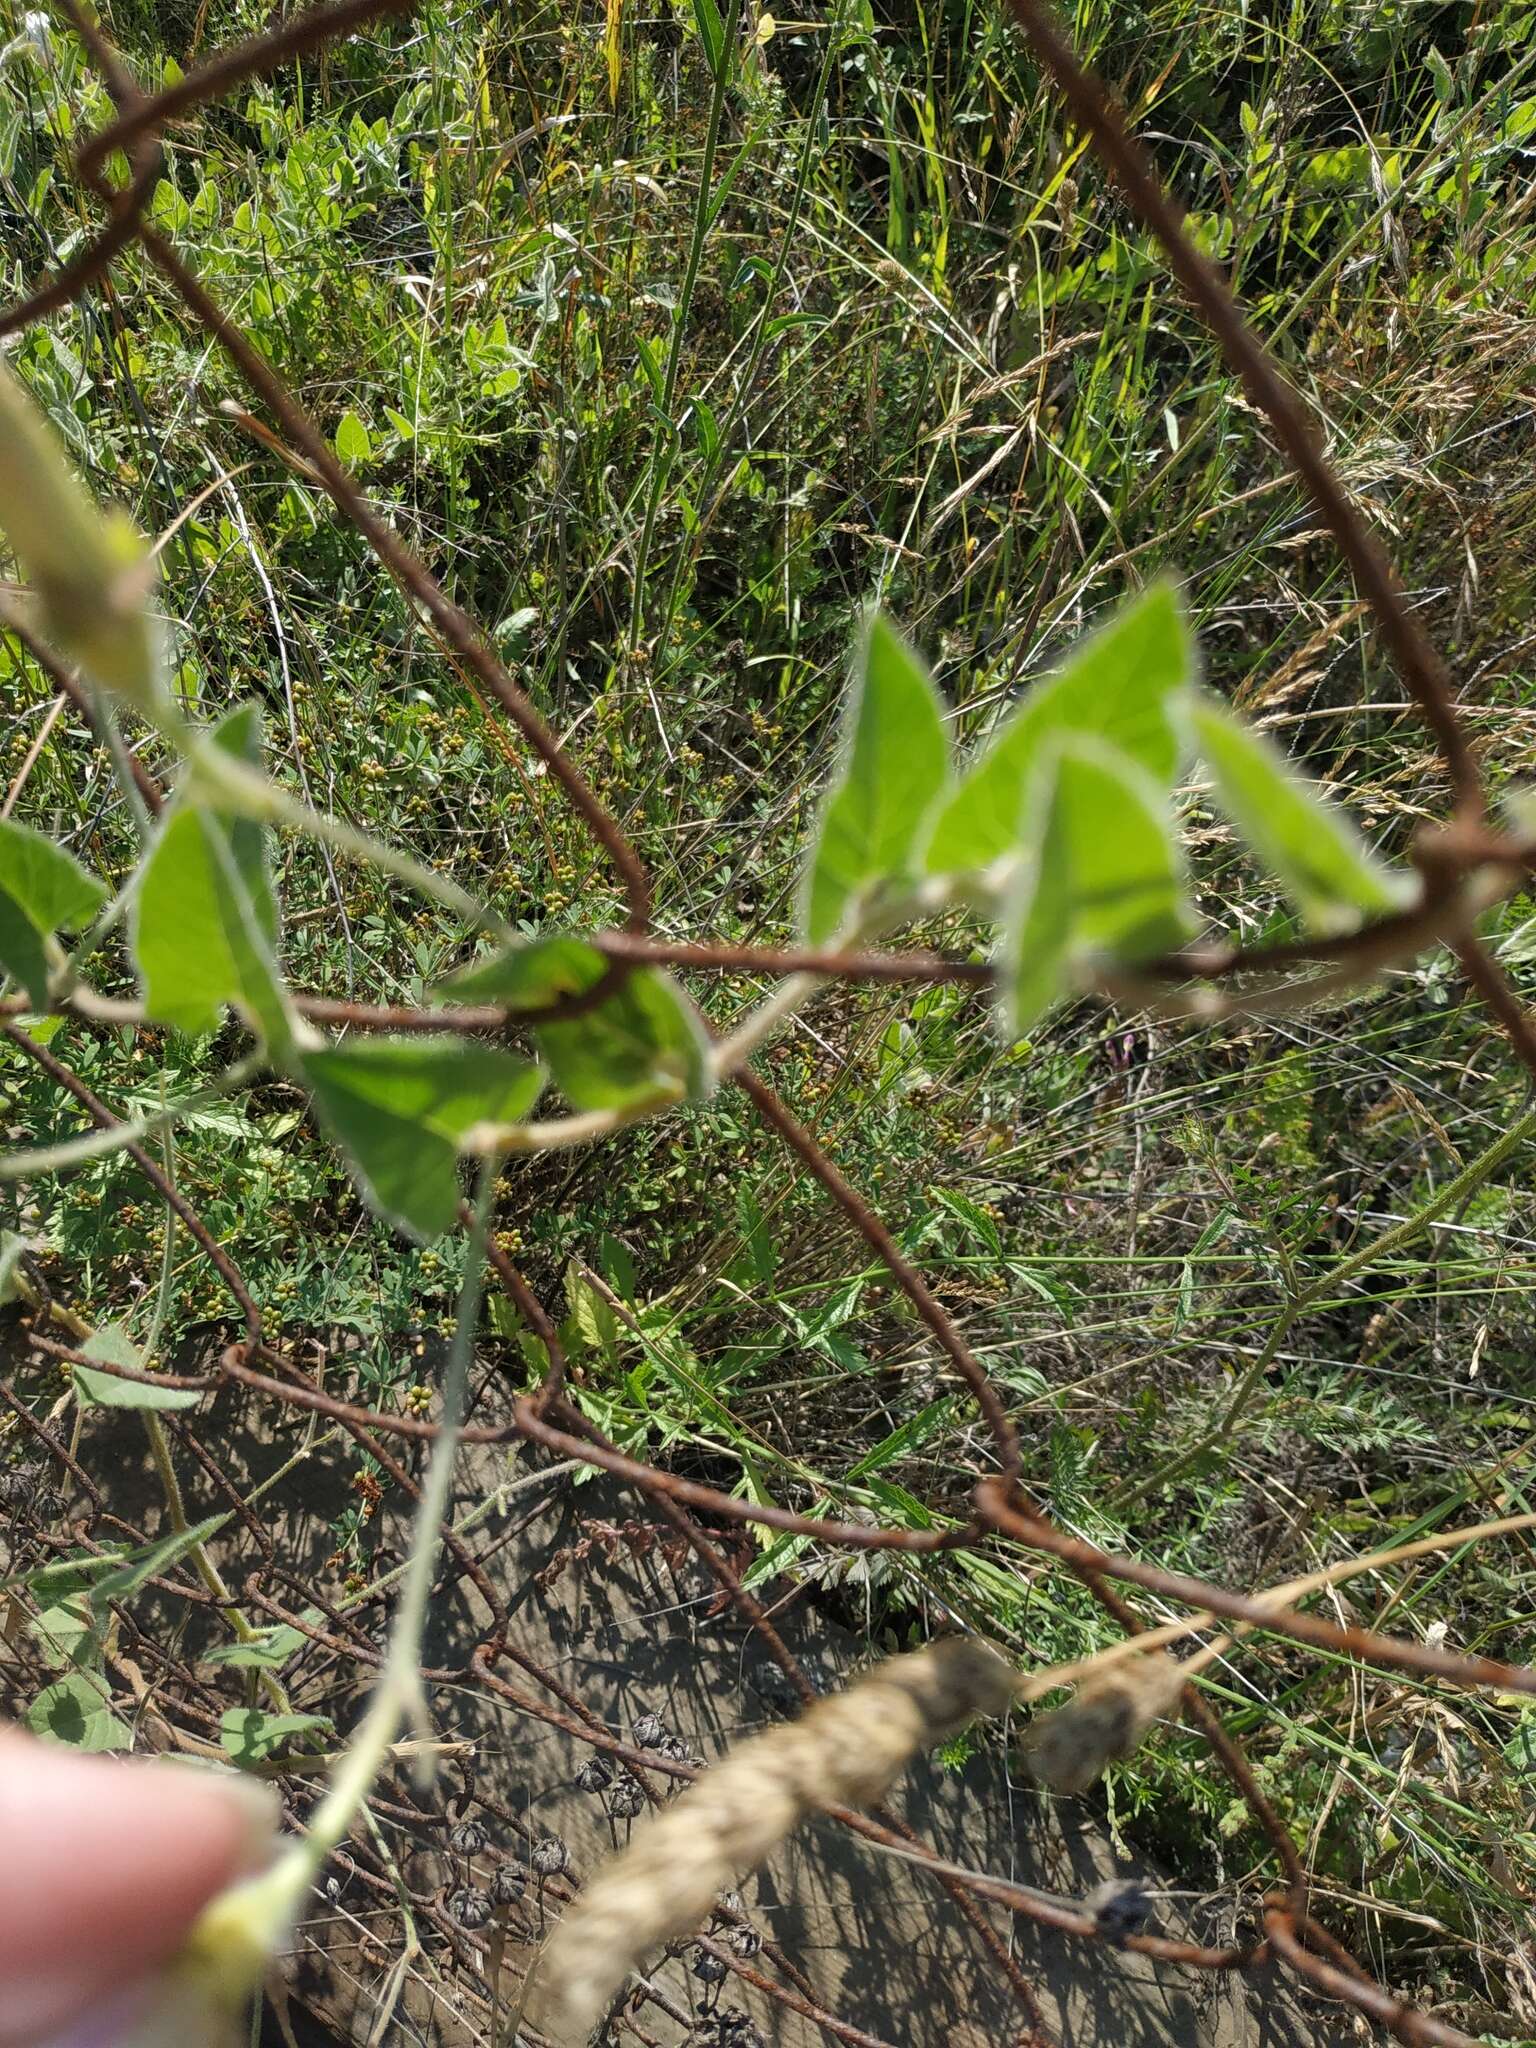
509,1881
627,1799
470,1907
595,1775
848,1749
1068,1749
1118,1907
468,1838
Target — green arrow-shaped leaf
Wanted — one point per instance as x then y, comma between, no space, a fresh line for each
894,767
1115,685
1105,878
398,1108
1311,848
43,890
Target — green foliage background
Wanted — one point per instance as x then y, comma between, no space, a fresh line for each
972,391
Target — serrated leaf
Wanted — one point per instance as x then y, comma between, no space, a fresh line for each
251,1736
74,1710
1117,685
645,1039
982,1227
1311,848
1104,878
112,1344
43,890
910,1436
398,1108
353,443
893,769
593,1317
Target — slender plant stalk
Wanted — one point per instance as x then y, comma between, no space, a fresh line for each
662,458
245,1924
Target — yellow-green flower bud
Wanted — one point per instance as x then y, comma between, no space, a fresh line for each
90,571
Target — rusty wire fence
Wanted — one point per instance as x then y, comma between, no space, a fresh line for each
1005,1516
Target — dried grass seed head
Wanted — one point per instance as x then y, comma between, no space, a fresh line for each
847,1749
1068,1749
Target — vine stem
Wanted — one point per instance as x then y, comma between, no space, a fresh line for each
237,1933
1455,1191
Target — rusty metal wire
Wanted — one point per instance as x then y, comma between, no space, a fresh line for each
1002,1517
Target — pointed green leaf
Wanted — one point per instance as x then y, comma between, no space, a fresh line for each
1117,684
239,734
75,1711
645,1039
205,923
1311,848
43,890
894,767
153,1559
114,1346
711,29
1105,878
198,937
398,1108
353,443
251,1736
265,1649
67,1631
531,976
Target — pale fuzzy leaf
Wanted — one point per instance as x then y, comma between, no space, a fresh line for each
1115,685
112,1344
1311,848
1105,879
894,767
